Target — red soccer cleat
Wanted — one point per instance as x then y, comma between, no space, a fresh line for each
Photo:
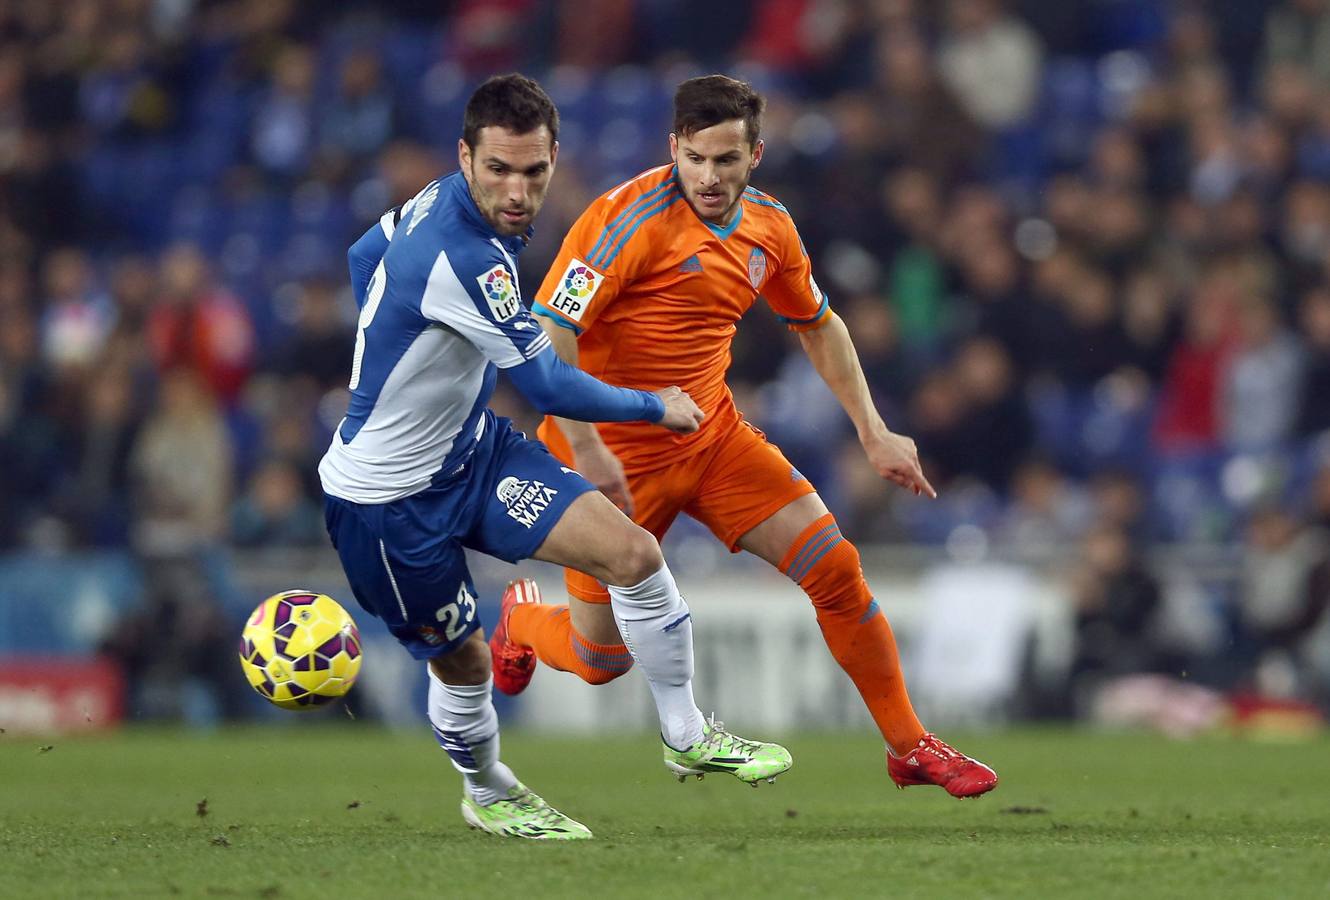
936,762
513,664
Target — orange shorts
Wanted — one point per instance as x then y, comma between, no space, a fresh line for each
731,486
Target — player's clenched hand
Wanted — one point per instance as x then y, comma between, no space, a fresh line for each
896,459
681,413
597,464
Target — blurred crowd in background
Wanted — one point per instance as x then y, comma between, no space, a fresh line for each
1082,248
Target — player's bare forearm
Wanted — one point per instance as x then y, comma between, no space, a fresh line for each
590,455
894,456
832,354
579,434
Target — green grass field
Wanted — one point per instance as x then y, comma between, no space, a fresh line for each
321,811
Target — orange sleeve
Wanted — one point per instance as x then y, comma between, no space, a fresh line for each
573,292
791,292
597,257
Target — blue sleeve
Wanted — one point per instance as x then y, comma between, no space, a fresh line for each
558,389
365,254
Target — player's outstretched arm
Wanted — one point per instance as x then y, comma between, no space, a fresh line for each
557,389
894,456
595,461
580,434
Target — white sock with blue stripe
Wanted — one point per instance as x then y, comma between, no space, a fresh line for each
657,629
467,727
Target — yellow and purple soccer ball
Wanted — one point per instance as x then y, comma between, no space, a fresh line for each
300,649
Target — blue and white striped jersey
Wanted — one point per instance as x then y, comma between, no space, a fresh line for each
442,313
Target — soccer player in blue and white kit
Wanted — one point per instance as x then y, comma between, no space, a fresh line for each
420,468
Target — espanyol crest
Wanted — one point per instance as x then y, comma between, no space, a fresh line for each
757,267
524,499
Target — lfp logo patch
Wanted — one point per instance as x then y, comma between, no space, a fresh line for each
757,267
579,284
500,292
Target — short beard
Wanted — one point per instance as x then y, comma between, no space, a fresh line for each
739,198
491,217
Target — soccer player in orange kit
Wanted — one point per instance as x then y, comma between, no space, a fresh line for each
646,292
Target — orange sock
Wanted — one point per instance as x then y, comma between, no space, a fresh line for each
827,567
549,631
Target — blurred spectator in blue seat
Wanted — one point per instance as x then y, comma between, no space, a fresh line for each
78,314
1118,500
1099,347
1297,33
290,419
912,252
1189,417
926,127
488,36
198,325
181,469
1118,232
41,183
877,339
274,512
321,339
1117,161
362,117
1304,232
129,91
1117,602
999,423
133,288
600,34
29,437
772,33
94,496
1268,154
282,128
937,423
1284,590
995,299
1317,505
992,61
1150,321
168,648
1047,348
1261,381
1313,394
1046,511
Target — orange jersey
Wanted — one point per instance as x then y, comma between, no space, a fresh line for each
655,293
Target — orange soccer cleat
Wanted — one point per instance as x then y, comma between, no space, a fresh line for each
934,761
513,664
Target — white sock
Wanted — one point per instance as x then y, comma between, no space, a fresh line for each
656,628
467,727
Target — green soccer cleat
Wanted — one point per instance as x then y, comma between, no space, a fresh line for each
523,814
720,751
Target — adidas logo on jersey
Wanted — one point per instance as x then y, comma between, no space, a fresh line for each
691,264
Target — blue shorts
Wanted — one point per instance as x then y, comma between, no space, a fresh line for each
405,559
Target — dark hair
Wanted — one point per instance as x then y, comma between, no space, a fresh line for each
514,102
711,99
